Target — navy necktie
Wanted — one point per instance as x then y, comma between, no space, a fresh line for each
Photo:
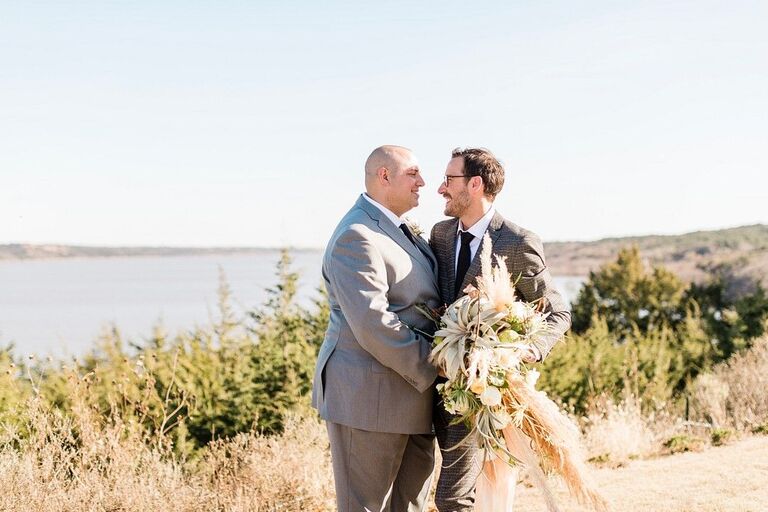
407,232
464,259
409,235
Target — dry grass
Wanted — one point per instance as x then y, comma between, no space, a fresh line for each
84,464
616,433
74,463
731,398
289,472
735,393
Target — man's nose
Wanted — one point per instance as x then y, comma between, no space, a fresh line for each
441,188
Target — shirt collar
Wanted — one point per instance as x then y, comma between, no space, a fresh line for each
479,228
391,216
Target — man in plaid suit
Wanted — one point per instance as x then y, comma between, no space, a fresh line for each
472,180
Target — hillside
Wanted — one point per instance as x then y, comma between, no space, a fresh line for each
687,255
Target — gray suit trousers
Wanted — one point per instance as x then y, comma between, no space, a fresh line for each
379,471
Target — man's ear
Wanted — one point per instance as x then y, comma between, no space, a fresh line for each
383,174
476,184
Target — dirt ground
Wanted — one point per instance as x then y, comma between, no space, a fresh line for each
732,478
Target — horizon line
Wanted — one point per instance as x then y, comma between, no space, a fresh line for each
312,248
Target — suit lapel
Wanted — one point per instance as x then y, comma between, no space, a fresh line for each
394,233
426,250
445,249
451,252
494,230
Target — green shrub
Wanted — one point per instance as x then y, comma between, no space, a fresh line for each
684,443
214,381
644,331
720,436
629,297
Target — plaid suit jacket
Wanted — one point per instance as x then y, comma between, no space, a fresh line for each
525,259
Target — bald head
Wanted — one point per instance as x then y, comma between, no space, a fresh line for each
392,178
384,156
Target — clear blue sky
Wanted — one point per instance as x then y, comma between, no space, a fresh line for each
247,123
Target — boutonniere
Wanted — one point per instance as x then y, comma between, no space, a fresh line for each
414,227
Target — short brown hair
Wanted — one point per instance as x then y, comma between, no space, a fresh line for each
481,162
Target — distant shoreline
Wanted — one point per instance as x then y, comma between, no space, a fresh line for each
19,252
691,255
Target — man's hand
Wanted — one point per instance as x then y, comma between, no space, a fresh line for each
528,353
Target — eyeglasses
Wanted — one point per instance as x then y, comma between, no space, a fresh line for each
447,178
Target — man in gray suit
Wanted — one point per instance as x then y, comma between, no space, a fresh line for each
373,383
472,180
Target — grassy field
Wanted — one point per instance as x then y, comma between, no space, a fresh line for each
85,465
85,459
728,478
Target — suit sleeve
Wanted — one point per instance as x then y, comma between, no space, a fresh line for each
535,283
359,277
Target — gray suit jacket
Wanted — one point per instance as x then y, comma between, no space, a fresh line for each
372,371
525,258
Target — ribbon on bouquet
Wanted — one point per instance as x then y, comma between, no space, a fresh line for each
496,484
543,433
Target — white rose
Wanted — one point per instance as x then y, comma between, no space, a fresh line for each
491,396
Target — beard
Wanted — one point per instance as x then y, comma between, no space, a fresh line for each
457,204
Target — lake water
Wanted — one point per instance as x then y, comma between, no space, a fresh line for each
58,307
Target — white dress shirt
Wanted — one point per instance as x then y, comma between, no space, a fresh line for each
478,229
386,211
